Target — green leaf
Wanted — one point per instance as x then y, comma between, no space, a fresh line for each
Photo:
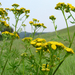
59,37
72,22
13,24
68,17
55,27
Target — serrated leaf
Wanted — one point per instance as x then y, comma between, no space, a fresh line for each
68,17
72,22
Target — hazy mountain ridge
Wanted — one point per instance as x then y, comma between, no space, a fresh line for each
27,34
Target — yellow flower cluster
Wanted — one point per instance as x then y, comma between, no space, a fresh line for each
15,5
4,23
45,67
28,39
67,7
7,9
60,6
14,35
20,11
69,50
3,12
52,17
37,24
41,44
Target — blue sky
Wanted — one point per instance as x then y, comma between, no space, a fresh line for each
41,10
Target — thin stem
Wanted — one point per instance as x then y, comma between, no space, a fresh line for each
72,40
58,67
72,16
4,67
54,27
66,25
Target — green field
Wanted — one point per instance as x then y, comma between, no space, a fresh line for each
68,66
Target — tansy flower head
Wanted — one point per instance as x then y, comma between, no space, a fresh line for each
28,39
53,46
60,6
52,17
34,19
31,22
39,48
69,50
7,9
27,11
15,5
22,8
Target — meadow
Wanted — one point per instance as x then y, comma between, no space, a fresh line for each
51,53
67,67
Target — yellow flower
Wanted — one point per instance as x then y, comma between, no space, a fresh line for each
7,25
69,50
41,40
53,46
34,19
43,69
27,16
11,34
39,48
27,39
33,43
7,9
36,51
47,69
44,27
6,32
60,5
1,12
22,8
12,9
52,17
16,5
31,22
38,44
27,11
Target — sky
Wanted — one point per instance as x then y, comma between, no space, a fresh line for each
41,10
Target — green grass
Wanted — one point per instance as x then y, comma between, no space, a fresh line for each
68,66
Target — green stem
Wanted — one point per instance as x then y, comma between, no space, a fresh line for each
72,41
72,16
67,26
40,58
54,27
57,67
4,67
17,19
